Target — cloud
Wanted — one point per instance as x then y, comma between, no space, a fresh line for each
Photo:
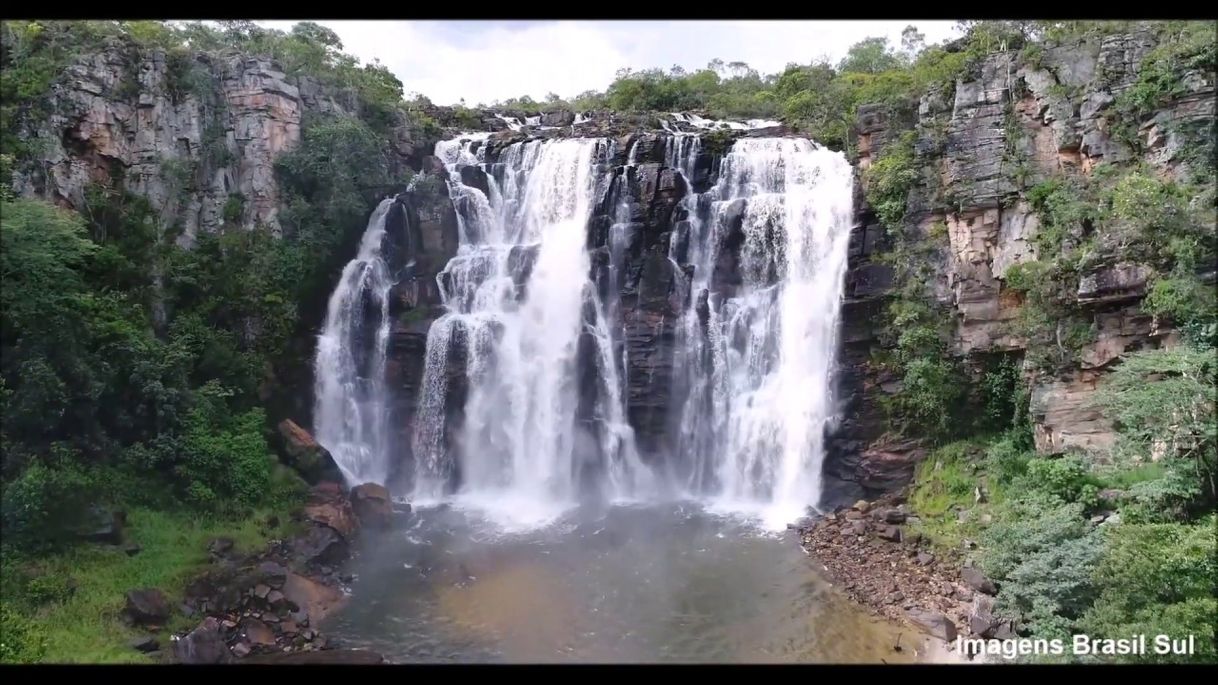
483,61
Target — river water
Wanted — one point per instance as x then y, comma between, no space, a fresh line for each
650,584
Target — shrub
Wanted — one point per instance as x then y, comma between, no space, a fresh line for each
49,588
222,461
1157,579
43,505
234,208
1064,479
1008,459
888,180
1042,555
1173,415
21,640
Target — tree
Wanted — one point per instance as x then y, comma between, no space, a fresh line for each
316,33
740,70
912,42
869,56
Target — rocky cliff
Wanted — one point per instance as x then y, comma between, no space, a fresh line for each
197,135
1019,119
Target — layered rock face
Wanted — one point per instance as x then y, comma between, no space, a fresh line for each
1011,119
197,137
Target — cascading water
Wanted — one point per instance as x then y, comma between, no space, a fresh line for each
520,302
351,410
521,407
755,358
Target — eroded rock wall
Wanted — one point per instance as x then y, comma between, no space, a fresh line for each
1010,124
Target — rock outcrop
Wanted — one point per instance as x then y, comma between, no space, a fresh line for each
303,453
372,505
147,607
197,136
1009,124
270,603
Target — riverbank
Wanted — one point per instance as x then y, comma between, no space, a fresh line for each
69,607
871,553
166,587
267,607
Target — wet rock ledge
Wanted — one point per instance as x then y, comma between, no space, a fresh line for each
265,608
868,550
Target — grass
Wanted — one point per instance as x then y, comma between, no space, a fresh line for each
85,627
1123,478
943,486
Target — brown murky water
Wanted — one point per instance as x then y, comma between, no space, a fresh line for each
640,585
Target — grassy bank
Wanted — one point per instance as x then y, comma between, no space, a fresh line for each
66,607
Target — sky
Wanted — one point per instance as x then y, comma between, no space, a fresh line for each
488,61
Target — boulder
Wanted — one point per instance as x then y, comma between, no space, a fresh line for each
981,616
257,633
934,623
322,545
272,574
559,117
890,533
241,650
372,505
203,645
147,606
304,454
858,527
977,580
312,598
105,527
336,513
1004,630
894,516
925,558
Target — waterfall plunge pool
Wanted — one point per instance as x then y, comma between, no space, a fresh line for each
645,584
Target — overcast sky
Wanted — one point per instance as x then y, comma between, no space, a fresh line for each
486,61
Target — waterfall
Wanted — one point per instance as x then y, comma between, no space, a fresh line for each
536,430
521,410
351,408
755,357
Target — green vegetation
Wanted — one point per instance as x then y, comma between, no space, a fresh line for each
137,374
1149,565
141,375
1184,47
1125,214
1109,543
65,607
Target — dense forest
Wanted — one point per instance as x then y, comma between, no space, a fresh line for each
140,374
